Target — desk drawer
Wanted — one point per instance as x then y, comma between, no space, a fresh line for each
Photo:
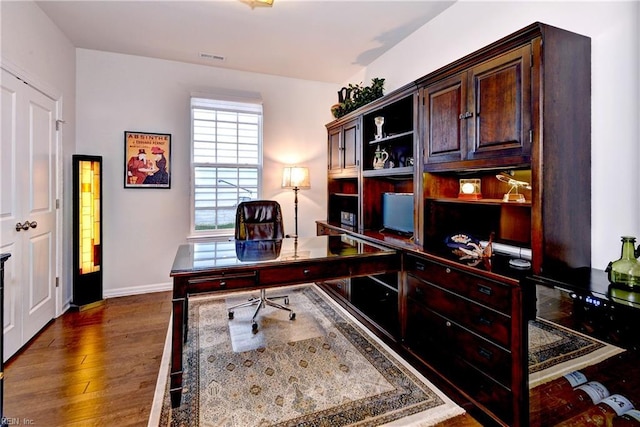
427,330
478,318
303,272
221,282
493,294
341,286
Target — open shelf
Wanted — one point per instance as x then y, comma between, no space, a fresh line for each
391,137
400,171
525,204
344,195
397,139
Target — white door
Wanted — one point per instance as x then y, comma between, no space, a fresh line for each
28,198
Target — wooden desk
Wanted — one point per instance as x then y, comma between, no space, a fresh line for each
215,266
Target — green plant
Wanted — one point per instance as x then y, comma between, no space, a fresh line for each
355,96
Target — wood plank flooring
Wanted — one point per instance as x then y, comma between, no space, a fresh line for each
91,368
98,367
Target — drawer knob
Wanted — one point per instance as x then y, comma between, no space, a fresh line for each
447,270
448,324
305,272
223,284
484,321
485,353
483,289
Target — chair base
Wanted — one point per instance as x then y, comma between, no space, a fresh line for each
261,302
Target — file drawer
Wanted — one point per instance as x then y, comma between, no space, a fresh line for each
493,294
478,318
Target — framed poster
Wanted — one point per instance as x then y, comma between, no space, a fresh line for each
147,160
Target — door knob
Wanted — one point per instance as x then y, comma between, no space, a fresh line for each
26,225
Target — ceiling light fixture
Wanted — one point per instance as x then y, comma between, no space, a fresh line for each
258,3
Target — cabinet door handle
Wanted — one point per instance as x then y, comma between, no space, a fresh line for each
420,266
465,115
483,289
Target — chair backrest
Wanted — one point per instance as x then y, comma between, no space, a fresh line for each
259,220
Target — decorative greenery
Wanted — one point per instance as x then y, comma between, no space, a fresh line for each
355,96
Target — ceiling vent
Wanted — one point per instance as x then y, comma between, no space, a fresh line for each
211,56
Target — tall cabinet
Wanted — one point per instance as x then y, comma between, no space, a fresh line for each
514,116
524,111
344,147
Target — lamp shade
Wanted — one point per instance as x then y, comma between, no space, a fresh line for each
296,177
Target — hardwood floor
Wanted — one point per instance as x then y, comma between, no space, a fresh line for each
91,368
98,367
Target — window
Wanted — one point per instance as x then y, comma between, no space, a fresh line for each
226,148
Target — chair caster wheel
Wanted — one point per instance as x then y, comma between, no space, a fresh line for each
286,301
230,315
254,327
292,316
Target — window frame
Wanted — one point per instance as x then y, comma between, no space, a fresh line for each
251,106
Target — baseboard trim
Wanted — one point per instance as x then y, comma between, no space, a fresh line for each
137,290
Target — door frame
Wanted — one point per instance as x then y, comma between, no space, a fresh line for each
53,93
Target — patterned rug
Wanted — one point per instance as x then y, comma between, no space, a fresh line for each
555,350
321,369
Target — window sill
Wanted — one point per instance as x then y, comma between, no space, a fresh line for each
210,237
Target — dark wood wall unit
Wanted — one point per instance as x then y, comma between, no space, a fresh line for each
527,111
563,168
520,107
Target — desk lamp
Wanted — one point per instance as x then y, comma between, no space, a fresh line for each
296,177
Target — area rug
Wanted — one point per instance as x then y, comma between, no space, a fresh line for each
555,350
323,368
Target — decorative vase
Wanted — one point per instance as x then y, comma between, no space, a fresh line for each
626,270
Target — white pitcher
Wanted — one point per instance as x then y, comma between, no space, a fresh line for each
380,158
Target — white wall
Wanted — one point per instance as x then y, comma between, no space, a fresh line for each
39,51
613,27
143,227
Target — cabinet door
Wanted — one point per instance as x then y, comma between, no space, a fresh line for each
444,125
351,138
335,149
500,116
343,147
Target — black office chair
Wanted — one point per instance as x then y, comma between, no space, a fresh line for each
260,221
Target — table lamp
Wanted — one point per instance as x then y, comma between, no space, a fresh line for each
296,177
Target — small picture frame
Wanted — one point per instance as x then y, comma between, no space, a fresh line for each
147,161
